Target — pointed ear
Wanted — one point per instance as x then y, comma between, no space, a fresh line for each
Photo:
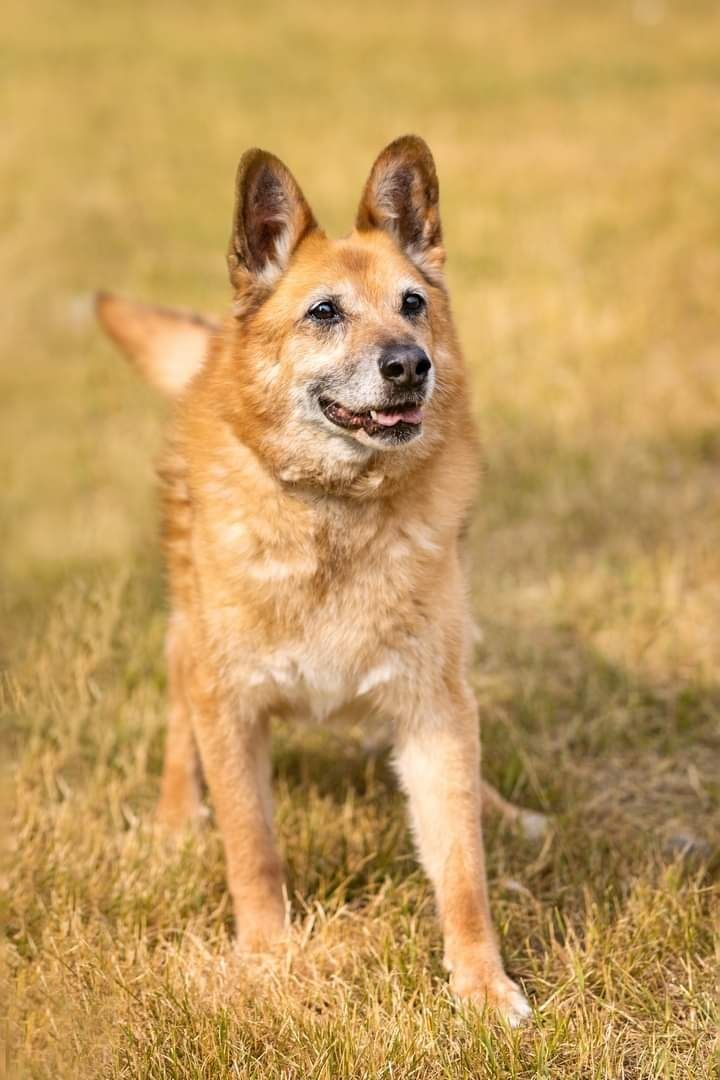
168,346
402,198
271,218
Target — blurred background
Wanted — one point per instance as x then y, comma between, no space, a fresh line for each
578,148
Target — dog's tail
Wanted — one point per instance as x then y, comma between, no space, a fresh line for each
168,346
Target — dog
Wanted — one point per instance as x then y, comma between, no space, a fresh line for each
316,486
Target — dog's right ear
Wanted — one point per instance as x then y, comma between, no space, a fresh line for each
271,218
167,345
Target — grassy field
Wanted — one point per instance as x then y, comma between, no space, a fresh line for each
579,154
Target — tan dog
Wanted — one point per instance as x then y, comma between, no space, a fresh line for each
320,472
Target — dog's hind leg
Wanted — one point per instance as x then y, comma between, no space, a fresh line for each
532,824
181,791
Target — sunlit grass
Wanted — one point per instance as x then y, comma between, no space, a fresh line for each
579,150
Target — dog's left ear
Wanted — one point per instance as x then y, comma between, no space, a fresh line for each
402,198
271,218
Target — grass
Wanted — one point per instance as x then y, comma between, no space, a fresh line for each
578,147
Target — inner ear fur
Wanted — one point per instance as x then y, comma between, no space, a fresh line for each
270,219
401,197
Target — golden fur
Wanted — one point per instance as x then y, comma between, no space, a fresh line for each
313,568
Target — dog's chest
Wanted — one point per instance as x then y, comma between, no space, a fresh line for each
319,685
317,618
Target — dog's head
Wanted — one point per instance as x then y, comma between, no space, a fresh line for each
337,350
343,337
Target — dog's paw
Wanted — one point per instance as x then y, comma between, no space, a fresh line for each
254,940
534,826
261,932
495,992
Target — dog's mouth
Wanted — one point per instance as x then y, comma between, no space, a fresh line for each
398,422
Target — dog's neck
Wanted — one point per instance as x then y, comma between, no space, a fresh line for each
309,467
318,481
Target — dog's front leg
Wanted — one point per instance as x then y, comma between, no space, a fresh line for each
234,747
438,760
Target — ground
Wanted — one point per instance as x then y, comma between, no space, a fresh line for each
579,153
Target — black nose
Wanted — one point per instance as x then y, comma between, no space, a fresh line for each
404,365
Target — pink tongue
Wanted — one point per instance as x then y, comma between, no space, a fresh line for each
389,419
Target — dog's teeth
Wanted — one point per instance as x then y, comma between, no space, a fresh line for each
373,414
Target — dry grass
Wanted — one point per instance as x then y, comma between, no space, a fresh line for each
579,148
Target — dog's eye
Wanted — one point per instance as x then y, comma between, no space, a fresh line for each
324,311
412,303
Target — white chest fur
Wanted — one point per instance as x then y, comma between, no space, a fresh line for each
315,684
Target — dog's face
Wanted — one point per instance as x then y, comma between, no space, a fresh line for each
356,351
340,344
